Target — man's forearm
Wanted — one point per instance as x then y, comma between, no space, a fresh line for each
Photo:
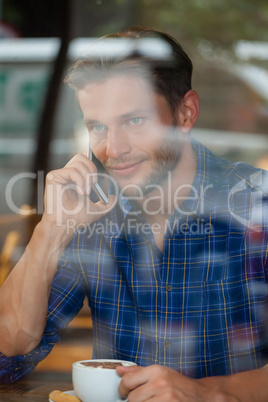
24,295
248,386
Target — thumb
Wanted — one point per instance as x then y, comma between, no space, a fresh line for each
99,208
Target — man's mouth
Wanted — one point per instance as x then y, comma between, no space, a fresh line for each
126,168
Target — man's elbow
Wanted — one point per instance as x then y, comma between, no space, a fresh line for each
19,343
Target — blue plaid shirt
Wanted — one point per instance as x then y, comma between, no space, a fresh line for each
198,307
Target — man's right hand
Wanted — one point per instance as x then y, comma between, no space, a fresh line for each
67,191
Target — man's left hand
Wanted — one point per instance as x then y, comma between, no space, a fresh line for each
162,384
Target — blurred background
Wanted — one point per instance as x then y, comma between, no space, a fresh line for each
40,124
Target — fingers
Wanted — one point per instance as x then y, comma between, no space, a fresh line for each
150,383
79,173
132,377
100,208
121,370
67,190
83,159
82,172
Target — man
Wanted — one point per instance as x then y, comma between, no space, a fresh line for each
173,266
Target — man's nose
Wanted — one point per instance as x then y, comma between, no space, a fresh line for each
117,144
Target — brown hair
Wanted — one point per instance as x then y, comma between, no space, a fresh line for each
171,77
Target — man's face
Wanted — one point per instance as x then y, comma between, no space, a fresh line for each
132,131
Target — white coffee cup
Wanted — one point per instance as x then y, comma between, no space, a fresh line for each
97,384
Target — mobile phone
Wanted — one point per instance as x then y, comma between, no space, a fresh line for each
97,188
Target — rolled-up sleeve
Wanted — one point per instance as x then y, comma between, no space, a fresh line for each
66,299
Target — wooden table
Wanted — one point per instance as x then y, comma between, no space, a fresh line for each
35,387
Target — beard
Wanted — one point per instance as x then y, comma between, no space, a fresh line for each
166,158
166,161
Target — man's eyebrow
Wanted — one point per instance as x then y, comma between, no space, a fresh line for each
136,112
90,122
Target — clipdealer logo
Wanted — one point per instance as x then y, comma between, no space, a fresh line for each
167,200
252,214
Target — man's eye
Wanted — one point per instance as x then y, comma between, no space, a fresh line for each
136,121
98,128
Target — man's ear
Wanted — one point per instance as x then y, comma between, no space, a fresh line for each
188,111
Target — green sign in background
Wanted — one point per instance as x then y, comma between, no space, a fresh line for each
22,92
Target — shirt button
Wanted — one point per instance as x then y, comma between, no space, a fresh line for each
169,288
167,344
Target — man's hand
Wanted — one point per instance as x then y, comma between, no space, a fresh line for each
67,191
162,384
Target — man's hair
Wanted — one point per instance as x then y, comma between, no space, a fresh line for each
170,76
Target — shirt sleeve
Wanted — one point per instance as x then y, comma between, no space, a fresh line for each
66,299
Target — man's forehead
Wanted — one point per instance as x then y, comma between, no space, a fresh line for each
117,82
120,93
